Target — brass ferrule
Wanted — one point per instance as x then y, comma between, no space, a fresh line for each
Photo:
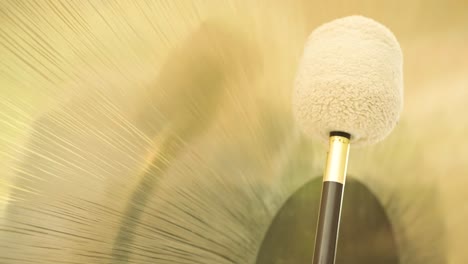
337,160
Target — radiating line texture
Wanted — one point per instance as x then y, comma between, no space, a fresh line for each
161,132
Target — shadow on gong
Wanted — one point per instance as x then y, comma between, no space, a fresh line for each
366,234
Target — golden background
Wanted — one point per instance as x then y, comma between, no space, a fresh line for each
173,118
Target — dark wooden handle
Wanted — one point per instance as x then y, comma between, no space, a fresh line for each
328,223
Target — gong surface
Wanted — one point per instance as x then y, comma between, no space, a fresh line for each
366,234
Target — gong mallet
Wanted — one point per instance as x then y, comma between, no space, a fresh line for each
348,91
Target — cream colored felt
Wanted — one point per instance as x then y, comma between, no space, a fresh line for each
350,79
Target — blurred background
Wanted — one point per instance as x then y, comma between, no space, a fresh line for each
161,132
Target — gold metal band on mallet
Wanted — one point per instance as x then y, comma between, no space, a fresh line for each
337,160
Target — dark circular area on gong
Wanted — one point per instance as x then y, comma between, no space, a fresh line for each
366,235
